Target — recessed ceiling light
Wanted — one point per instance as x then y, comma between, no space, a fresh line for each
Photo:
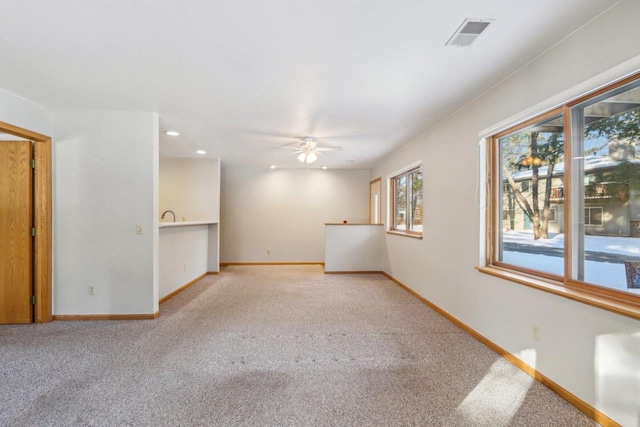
172,133
272,166
201,152
324,167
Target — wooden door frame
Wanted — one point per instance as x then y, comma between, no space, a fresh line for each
42,208
379,199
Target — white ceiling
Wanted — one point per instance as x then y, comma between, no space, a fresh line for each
365,75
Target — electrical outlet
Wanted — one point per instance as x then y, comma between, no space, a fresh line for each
535,332
92,290
138,228
268,251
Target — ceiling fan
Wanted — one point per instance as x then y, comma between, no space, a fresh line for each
308,149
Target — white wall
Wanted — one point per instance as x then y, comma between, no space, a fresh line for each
190,188
105,183
593,353
285,210
183,256
20,112
354,248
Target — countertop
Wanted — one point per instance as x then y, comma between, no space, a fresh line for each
185,223
349,223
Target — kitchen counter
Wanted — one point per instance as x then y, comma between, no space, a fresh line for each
185,223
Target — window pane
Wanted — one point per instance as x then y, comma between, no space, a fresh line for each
531,164
416,200
400,214
606,161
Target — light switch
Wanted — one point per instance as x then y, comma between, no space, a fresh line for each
138,228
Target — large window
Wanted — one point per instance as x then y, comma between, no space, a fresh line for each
566,197
406,202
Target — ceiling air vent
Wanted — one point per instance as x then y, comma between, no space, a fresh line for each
468,32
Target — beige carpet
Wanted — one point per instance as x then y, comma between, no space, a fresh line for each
270,346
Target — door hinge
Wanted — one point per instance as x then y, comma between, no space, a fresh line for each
34,231
34,299
34,163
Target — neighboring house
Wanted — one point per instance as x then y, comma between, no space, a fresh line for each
611,208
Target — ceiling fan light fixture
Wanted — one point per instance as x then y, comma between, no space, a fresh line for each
307,157
311,157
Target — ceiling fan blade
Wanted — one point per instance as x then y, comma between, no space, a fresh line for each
290,147
293,153
328,148
273,134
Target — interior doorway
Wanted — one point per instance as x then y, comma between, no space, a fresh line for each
374,201
25,208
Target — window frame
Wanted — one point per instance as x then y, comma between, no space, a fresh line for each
391,186
617,301
590,224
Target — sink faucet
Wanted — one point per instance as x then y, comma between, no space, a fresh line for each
172,213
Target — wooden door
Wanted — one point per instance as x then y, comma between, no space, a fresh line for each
16,213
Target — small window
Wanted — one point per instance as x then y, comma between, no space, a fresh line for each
593,216
406,202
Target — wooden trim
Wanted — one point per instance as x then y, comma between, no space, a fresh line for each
23,133
42,220
592,288
606,303
532,121
66,317
491,197
603,90
354,272
580,404
225,264
43,240
209,273
182,288
529,271
405,234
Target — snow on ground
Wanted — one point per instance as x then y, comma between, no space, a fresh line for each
607,274
606,244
